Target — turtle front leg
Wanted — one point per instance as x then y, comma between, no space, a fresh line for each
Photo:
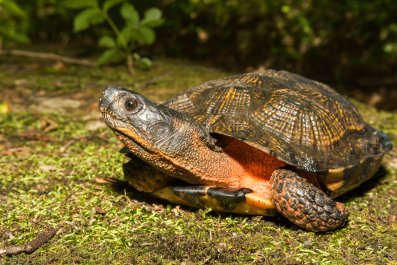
144,177
222,199
304,204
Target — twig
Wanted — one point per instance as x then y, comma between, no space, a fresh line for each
49,56
33,245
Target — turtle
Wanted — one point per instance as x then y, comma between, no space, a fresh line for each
259,143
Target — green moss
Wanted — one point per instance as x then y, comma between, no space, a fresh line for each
49,162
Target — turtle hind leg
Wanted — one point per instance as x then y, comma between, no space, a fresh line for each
304,204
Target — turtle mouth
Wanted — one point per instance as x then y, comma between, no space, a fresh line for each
128,142
123,132
111,119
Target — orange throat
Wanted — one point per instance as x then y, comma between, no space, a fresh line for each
238,166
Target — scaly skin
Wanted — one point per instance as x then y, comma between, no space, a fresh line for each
304,204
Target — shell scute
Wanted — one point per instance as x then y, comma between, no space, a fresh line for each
303,122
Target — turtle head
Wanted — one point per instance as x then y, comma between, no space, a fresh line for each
149,130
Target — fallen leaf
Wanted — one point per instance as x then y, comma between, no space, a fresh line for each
21,82
48,125
47,168
35,135
392,219
99,210
107,181
58,66
17,150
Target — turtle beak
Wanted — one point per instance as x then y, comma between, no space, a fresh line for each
108,96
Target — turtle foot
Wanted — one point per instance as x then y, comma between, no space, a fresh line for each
304,204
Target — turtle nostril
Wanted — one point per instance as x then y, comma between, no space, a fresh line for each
109,95
104,104
100,104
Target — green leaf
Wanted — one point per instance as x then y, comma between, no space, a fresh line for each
147,35
128,12
109,4
12,8
152,14
127,32
78,4
142,62
21,37
146,63
86,18
14,35
111,56
152,18
285,9
136,56
107,41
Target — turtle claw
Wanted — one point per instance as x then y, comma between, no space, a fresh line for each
304,204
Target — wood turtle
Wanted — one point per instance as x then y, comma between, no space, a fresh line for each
256,143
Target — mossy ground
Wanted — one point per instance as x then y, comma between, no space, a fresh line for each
53,148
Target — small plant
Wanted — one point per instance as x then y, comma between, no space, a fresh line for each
125,39
11,27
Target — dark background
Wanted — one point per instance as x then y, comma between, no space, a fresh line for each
351,45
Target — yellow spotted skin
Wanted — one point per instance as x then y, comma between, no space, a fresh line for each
303,123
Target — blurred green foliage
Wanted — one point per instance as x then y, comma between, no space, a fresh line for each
338,39
13,23
121,41
37,20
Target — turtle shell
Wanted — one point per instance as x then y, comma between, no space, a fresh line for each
300,121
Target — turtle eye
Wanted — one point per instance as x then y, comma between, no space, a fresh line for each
130,104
